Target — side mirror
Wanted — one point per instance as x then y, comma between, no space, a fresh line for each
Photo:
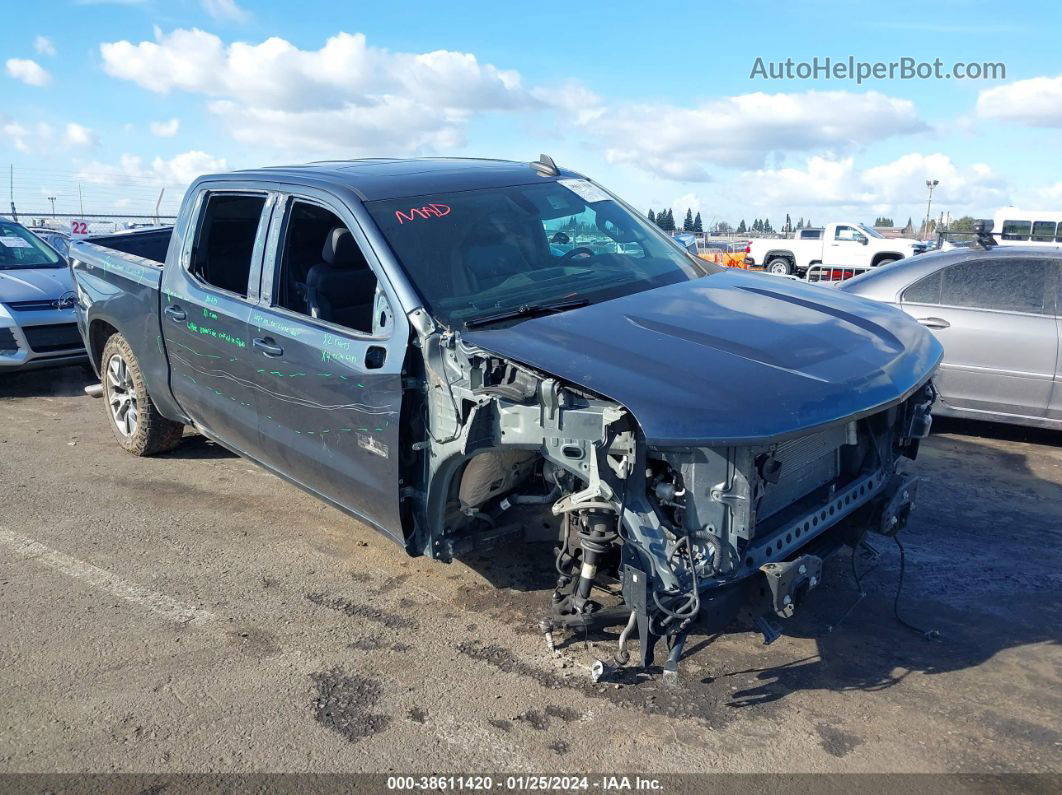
864,240
561,239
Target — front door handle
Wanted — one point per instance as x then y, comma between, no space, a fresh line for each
934,322
176,313
268,346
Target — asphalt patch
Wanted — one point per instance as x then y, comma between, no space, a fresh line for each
343,704
357,610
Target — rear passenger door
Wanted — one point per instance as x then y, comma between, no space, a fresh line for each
995,319
206,307
328,352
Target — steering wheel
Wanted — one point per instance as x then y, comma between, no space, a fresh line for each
568,256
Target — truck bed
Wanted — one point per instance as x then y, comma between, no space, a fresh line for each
149,244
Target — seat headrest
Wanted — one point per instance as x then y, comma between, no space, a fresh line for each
340,250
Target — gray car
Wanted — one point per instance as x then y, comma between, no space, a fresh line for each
997,313
37,298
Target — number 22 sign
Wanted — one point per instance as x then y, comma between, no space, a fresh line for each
78,228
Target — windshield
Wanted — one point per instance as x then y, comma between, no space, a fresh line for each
20,248
480,253
871,231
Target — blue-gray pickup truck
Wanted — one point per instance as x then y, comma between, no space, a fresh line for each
457,350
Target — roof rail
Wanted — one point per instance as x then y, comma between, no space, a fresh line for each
545,166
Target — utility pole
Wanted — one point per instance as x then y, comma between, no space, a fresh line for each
11,187
930,183
52,200
81,199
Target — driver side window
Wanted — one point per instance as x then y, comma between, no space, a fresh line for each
848,233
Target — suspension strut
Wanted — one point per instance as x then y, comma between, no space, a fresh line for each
597,531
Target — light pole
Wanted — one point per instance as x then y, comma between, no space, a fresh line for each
52,200
930,183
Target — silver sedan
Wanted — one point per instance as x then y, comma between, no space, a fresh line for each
997,314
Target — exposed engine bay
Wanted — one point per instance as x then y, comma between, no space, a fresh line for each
656,539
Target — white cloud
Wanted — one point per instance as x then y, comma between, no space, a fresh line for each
165,129
29,72
745,130
43,45
1037,102
42,138
225,10
178,171
836,183
346,97
80,136
26,138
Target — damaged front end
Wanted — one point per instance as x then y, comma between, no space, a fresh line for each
654,537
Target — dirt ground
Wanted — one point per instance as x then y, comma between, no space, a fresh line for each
192,613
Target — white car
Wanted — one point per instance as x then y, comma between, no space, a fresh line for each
844,244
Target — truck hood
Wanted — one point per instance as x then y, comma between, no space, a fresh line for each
34,284
731,358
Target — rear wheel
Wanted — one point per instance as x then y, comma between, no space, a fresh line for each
136,423
886,261
780,266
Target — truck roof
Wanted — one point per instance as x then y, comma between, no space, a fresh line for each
393,178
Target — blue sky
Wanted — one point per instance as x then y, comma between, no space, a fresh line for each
656,102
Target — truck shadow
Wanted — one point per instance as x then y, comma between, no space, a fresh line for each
196,447
68,381
983,568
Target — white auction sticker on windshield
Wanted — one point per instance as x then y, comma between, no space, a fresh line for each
11,241
587,191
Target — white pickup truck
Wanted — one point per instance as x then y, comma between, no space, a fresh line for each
847,244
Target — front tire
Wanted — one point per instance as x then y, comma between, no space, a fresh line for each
137,425
779,266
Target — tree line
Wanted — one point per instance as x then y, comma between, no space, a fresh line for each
665,219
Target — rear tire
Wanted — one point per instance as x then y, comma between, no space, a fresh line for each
886,261
137,425
780,266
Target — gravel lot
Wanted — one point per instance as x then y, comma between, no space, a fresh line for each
192,613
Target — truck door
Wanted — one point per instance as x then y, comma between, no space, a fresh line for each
328,352
206,308
995,319
848,247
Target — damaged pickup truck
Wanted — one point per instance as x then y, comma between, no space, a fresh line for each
439,347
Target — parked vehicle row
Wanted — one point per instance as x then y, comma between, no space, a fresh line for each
429,346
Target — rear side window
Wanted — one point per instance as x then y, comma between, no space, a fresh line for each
224,243
1016,285
925,291
811,234
1016,230
1043,231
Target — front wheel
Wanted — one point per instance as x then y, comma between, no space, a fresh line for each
779,266
137,424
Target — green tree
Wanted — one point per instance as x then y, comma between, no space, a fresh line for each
652,216
687,223
697,226
671,220
767,225
742,229
964,224
788,223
